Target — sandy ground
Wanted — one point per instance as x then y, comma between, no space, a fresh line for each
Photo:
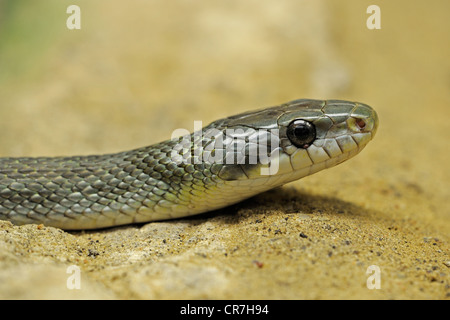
136,72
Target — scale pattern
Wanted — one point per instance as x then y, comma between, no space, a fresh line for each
147,184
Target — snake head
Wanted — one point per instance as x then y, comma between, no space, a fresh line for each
298,138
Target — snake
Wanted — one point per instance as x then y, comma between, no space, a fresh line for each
221,164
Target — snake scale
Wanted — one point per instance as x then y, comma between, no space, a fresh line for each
227,161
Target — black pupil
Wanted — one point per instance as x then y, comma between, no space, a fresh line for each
301,133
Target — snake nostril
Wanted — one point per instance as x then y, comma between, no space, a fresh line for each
360,123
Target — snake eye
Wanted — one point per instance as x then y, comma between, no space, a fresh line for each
301,133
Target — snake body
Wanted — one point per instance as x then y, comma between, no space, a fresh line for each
220,165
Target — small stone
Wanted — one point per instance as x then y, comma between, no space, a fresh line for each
302,235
